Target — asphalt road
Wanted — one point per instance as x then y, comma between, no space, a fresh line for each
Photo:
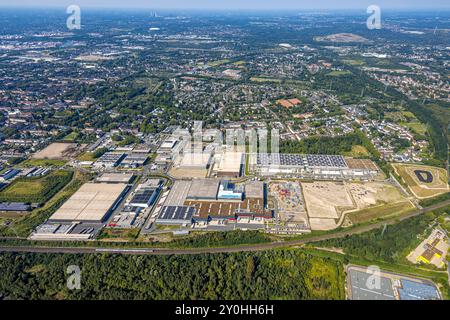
244,248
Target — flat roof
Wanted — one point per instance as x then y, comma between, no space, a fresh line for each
360,290
115,177
254,189
228,209
203,189
176,213
196,160
302,160
143,196
169,144
231,162
178,193
90,203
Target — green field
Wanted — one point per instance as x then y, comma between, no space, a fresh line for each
381,212
218,63
262,79
71,137
354,62
35,189
357,151
417,127
336,73
42,163
87,156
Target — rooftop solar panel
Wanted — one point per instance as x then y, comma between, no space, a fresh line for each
266,159
176,213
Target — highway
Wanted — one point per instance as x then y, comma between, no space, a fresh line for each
243,248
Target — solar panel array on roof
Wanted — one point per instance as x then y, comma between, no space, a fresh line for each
14,206
326,161
299,160
176,213
143,196
267,159
292,160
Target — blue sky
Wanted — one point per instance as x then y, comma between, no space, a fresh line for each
237,4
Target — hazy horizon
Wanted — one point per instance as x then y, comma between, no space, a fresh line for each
235,4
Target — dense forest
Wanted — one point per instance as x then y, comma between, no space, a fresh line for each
281,274
321,145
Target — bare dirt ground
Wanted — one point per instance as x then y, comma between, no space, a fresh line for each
188,173
325,202
290,202
58,150
376,200
324,199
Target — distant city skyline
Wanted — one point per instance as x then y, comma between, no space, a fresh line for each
236,4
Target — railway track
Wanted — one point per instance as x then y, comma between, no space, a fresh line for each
231,249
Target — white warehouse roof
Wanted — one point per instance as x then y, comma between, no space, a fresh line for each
91,202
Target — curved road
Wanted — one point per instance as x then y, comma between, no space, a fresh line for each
244,248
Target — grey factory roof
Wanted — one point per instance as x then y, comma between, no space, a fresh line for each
203,189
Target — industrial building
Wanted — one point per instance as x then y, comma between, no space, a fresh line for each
327,167
213,199
178,215
196,161
134,160
126,218
93,202
115,178
146,193
432,250
110,160
227,191
203,190
75,231
231,165
9,174
169,151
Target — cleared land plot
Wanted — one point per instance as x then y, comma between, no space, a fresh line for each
374,193
290,202
376,200
36,190
420,189
57,150
325,202
322,224
326,199
188,173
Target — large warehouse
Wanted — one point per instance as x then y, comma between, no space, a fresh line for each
93,202
231,165
327,167
214,199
